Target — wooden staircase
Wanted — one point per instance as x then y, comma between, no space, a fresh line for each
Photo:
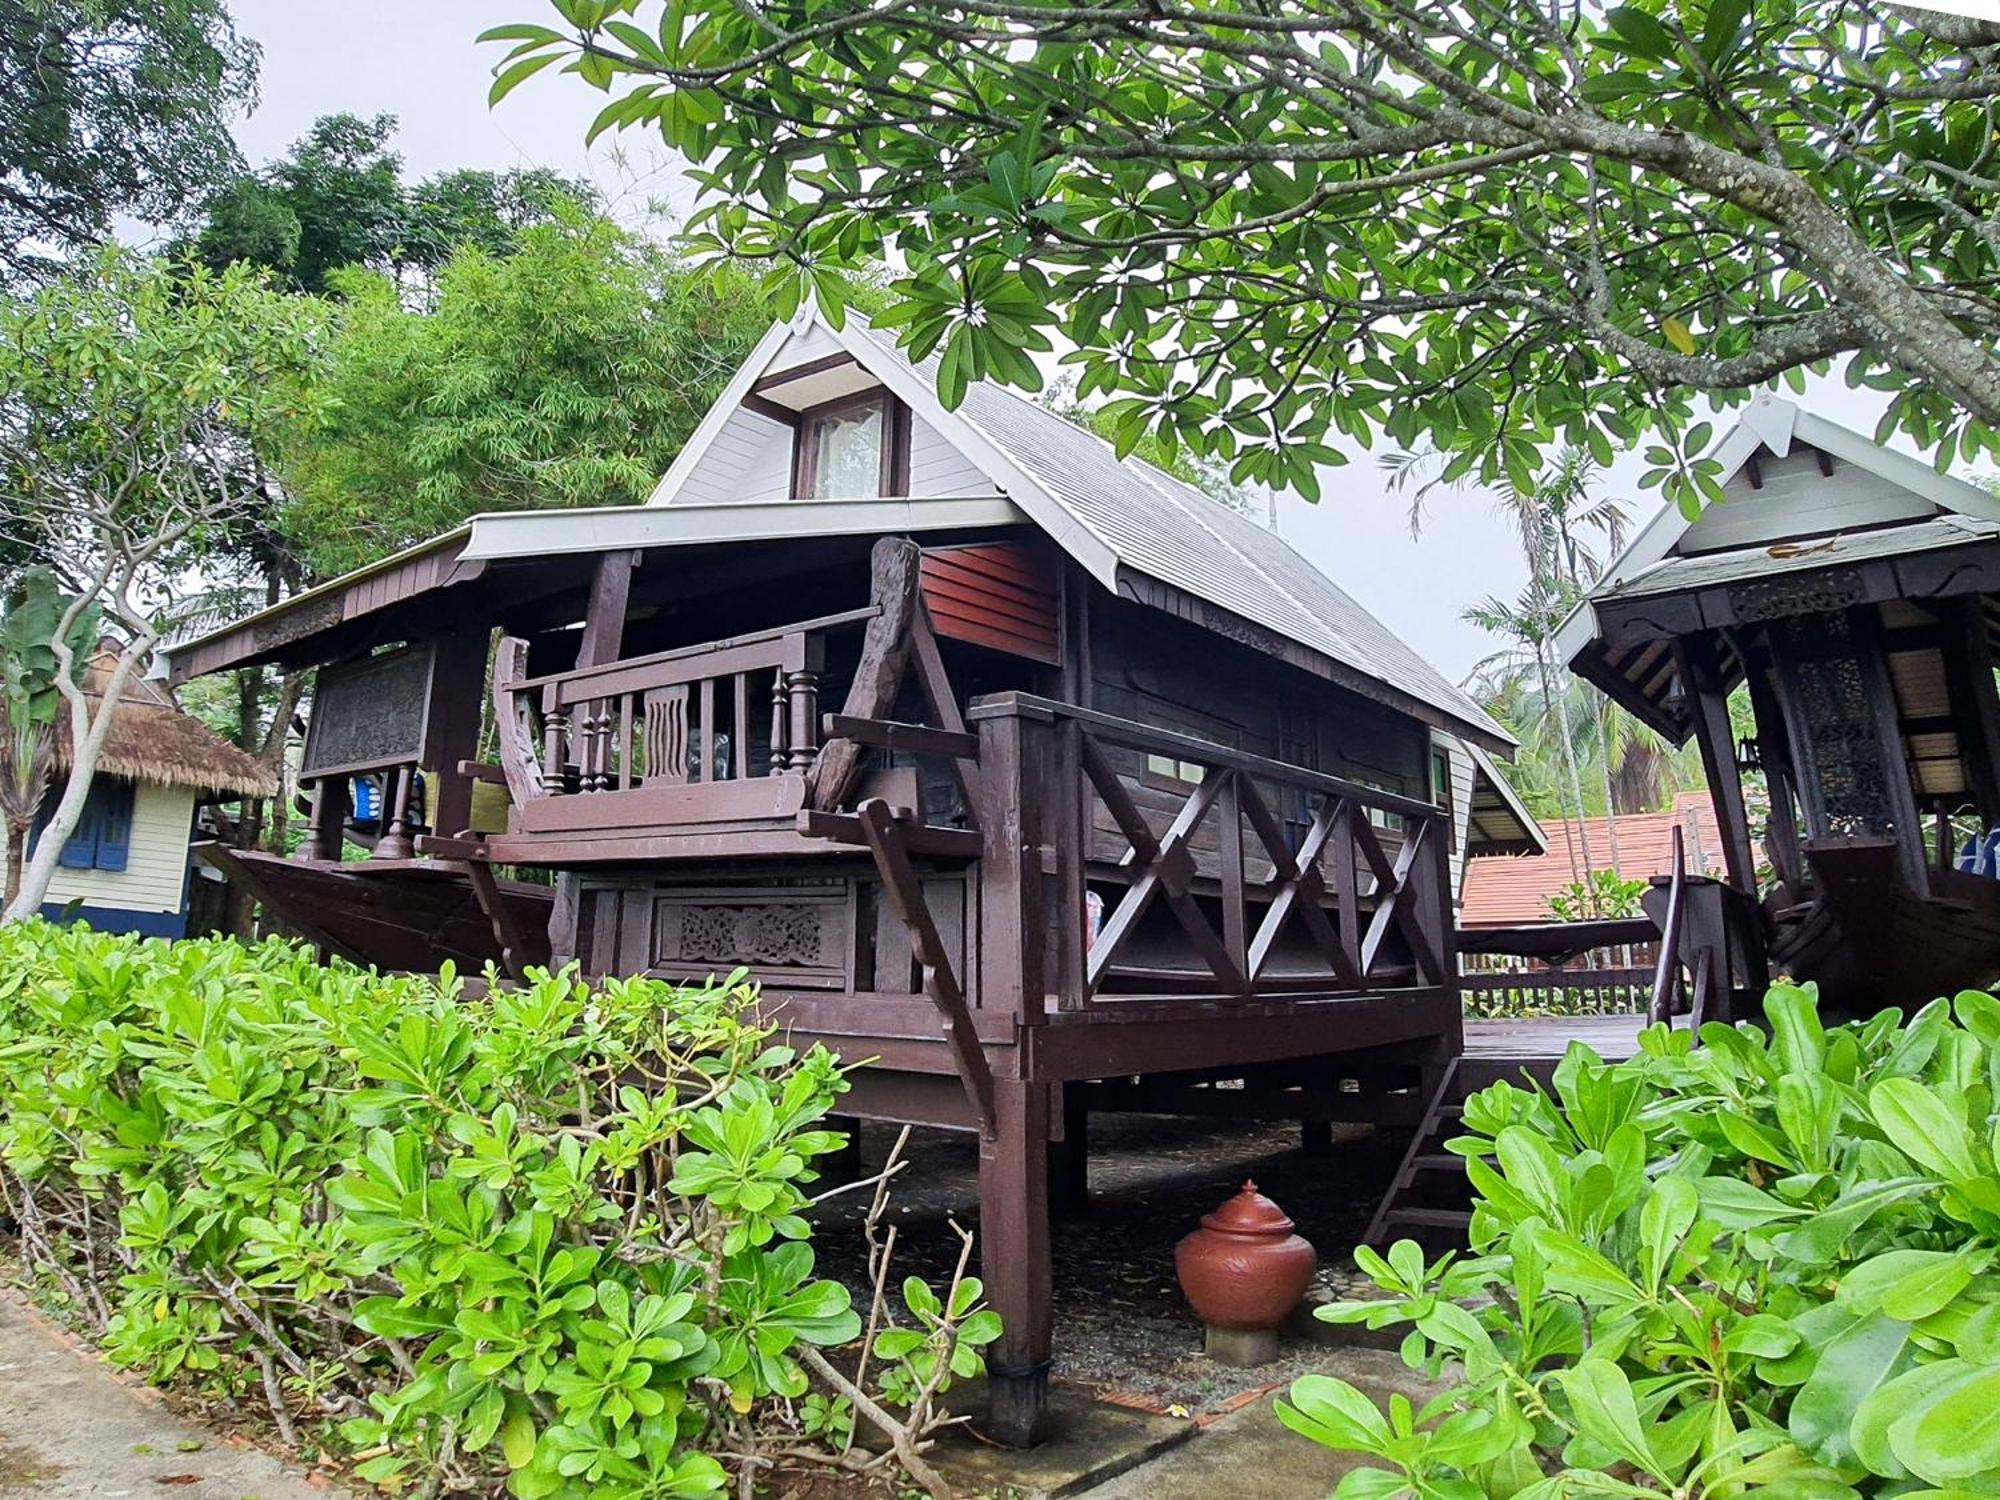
1430,1196
1429,1192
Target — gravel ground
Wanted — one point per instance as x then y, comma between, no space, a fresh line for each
1121,1324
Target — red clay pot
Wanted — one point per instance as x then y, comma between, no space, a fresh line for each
1244,1268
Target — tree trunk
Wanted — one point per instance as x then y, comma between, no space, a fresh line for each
1559,707
1610,794
87,735
17,843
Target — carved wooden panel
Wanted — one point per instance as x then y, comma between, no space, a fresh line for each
1839,748
1819,592
665,740
370,713
785,935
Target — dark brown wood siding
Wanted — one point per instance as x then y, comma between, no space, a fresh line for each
1001,595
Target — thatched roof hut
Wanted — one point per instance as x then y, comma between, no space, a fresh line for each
153,740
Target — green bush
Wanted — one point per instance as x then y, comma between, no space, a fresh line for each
1765,1264
552,1232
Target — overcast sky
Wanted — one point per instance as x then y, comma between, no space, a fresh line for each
418,61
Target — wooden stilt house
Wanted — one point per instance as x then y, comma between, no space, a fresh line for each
1845,594
1040,777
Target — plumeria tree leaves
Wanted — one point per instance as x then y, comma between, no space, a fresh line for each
1493,226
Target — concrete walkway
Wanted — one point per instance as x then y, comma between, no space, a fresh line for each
1249,1455
70,1427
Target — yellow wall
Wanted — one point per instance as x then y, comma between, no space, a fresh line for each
155,873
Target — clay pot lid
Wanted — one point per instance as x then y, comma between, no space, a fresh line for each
1249,1212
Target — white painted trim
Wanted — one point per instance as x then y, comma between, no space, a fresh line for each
545,533
1044,509
1483,765
1578,630
703,438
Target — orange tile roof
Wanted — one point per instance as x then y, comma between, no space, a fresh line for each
1503,891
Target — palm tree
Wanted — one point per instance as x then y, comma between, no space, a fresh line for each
1530,623
1557,521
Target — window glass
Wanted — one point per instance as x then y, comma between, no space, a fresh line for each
847,454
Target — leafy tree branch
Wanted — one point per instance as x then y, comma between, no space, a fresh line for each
1503,228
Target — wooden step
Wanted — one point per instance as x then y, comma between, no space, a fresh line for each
1442,1161
1432,1218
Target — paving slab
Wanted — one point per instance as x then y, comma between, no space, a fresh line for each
1250,1455
1090,1442
71,1427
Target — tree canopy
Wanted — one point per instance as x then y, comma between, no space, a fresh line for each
1500,227
110,107
338,199
566,373
139,394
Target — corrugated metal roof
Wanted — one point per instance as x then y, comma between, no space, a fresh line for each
1710,569
1168,530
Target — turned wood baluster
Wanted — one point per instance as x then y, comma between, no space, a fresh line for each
395,840
597,747
555,745
804,691
780,708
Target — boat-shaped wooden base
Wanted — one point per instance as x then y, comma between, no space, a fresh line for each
1871,941
407,914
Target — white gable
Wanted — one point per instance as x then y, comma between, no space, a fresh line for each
1869,486
1792,498
745,457
749,460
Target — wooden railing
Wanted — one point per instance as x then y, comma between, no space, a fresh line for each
676,736
1557,992
1277,880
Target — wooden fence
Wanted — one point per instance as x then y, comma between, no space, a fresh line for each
1557,992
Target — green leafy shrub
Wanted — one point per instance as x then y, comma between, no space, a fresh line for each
554,1233
1602,895
1765,1264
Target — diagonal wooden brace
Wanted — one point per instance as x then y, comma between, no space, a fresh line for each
906,899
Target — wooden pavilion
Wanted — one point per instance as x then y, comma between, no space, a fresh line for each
1849,590
1039,777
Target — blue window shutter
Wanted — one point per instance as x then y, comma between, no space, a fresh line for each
114,823
79,851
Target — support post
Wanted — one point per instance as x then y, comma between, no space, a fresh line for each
1701,677
329,817
458,692
1316,1137
1069,1158
1014,1255
1975,704
394,841
604,616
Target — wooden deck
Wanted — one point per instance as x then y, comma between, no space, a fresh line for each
1505,1049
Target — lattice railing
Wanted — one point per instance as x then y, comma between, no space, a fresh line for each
1278,880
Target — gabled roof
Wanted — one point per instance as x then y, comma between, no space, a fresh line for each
152,739
1133,527
1851,503
1773,426
1498,822
1515,892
